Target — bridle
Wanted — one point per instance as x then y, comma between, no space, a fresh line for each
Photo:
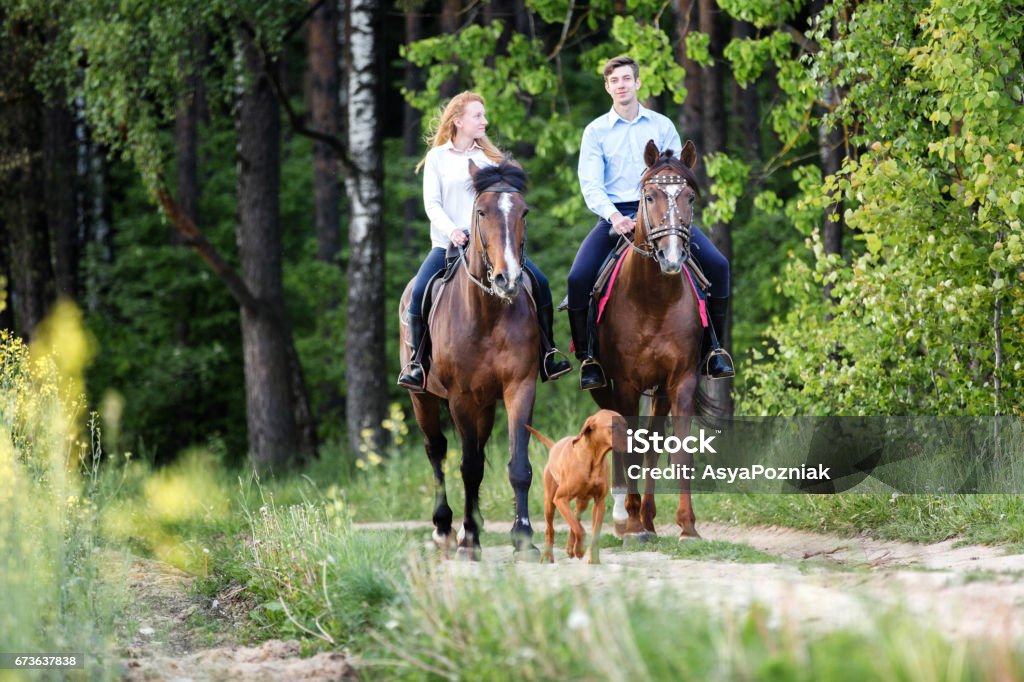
671,223
479,236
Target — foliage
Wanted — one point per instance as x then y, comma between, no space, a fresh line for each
57,593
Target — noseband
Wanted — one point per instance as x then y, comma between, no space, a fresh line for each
671,223
489,288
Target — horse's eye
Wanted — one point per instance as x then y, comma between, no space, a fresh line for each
480,212
693,198
525,211
649,198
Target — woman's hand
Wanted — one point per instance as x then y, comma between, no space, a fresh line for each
458,237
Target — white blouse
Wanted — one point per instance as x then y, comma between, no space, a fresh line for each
447,191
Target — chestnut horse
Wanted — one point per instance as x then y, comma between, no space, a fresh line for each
484,335
650,331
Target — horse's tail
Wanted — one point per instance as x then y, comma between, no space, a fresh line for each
541,437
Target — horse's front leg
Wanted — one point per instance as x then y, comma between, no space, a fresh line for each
682,410
659,408
428,416
519,405
474,424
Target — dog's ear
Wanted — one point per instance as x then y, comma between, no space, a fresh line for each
588,427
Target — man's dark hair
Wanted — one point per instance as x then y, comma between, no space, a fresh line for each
621,60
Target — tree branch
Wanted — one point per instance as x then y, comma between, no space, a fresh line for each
195,240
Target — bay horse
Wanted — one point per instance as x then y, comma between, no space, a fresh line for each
650,331
484,335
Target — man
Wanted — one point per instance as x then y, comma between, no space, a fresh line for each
611,165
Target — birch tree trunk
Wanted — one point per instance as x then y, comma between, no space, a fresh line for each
365,395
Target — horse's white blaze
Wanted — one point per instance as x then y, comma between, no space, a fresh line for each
511,260
674,249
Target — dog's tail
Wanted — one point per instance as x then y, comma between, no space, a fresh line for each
541,437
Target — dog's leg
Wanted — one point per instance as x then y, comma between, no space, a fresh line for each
581,506
576,532
550,487
595,530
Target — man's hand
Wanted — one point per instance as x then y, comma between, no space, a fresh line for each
458,237
621,224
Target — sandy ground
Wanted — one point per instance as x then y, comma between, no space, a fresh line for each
817,580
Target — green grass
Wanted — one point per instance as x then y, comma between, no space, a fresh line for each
497,626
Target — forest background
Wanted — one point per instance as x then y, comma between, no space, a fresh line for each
225,190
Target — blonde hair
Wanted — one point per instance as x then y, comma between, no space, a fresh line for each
443,129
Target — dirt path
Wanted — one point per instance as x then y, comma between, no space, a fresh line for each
810,579
818,580
161,641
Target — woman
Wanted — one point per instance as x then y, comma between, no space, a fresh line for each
448,198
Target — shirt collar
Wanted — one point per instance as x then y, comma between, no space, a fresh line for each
613,116
450,145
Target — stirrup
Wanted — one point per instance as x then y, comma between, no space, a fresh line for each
592,362
406,380
718,352
554,352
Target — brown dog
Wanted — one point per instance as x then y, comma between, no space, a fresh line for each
576,470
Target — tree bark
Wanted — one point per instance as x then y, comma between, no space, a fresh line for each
22,193
411,138
689,117
714,126
326,114
450,26
275,440
745,99
61,197
366,396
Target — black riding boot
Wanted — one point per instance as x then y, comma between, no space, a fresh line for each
716,361
591,373
414,377
551,365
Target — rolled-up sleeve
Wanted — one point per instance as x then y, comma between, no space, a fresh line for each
441,226
591,174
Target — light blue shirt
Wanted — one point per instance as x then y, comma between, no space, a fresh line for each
612,156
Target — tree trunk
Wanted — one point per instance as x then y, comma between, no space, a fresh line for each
326,114
22,192
61,197
366,395
450,26
411,139
745,100
274,439
689,117
714,127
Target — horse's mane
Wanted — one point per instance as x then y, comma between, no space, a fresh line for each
508,172
667,160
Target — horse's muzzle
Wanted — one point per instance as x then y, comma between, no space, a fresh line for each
670,266
505,287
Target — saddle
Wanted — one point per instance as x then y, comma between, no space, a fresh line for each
606,276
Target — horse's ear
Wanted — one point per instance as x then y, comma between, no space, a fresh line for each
689,154
473,168
651,153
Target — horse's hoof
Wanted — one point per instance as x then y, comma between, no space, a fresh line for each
640,538
527,555
443,542
620,529
547,558
594,560
684,536
468,553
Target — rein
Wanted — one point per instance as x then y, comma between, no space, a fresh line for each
489,289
